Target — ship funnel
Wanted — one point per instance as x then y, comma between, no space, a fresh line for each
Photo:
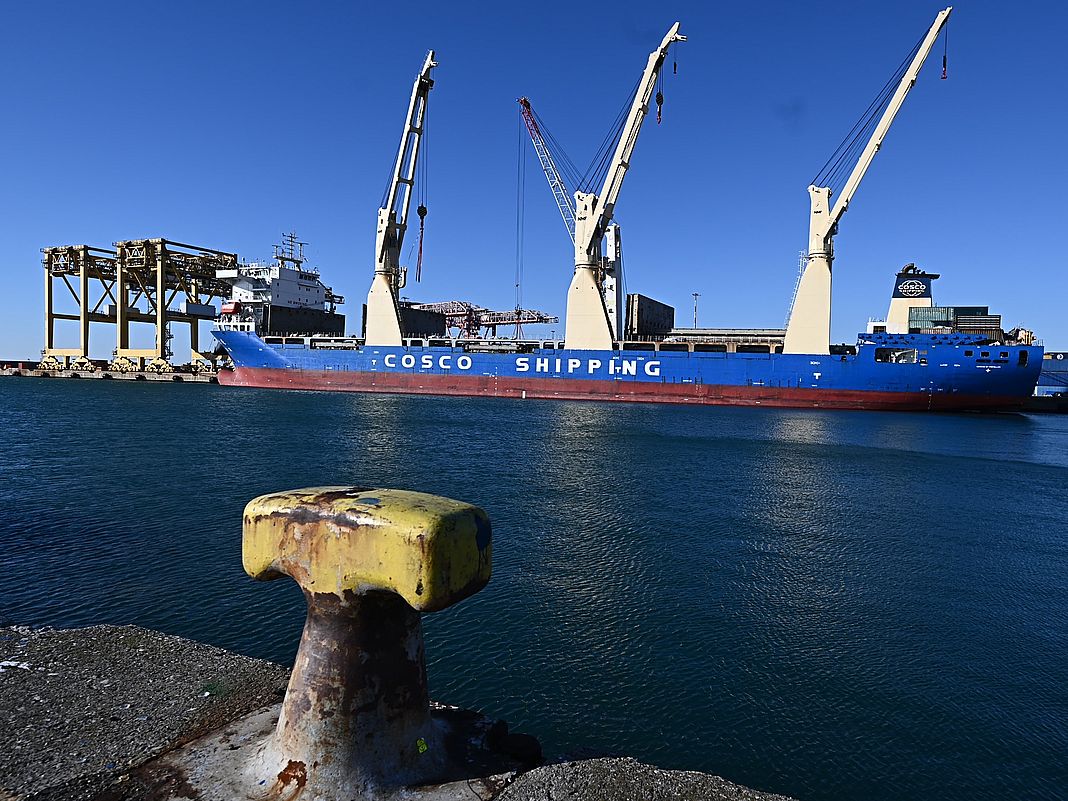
912,289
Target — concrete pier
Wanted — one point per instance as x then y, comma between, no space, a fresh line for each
81,709
86,715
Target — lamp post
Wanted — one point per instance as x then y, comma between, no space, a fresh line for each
696,295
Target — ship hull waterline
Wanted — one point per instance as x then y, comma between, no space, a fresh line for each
598,390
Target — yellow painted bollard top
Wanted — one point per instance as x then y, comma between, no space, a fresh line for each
431,551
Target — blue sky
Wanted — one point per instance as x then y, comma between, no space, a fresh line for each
223,124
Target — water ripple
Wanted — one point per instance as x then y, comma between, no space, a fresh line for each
829,605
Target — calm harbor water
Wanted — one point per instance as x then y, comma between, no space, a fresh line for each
831,605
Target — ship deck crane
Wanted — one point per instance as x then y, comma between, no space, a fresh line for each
809,327
384,326
587,325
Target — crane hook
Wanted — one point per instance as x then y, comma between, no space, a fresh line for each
421,211
945,52
659,106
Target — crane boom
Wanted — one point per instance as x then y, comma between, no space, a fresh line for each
382,319
594,212
548,166
876,141
587,325
809,327
393,221
613,181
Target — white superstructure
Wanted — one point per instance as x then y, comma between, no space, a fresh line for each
277,285
284,293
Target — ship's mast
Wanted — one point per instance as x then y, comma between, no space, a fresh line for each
587,326
383,308
809,327
290,251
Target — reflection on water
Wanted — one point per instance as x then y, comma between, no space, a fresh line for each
826,604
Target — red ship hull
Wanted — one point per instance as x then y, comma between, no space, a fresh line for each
635,392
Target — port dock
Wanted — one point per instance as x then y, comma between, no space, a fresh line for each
176,375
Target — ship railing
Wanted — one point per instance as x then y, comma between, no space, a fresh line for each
334,343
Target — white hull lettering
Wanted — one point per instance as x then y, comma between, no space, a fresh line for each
426,362
592,366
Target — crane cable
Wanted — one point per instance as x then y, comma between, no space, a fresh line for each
843,159
421,211
602,159
945,50
598,168
421,208
660,83
659,96
568,171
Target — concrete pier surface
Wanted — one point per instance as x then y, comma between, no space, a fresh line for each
87,714
80,708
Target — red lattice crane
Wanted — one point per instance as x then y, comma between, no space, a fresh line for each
563,198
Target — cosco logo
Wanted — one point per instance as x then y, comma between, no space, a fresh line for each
912,288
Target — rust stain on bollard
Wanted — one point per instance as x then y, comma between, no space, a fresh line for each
293,773
356,716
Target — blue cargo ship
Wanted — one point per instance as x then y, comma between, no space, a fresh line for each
887,371
921,357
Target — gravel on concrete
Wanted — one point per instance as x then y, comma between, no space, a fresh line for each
623,779
80,707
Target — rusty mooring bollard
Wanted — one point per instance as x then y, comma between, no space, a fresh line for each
356,716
